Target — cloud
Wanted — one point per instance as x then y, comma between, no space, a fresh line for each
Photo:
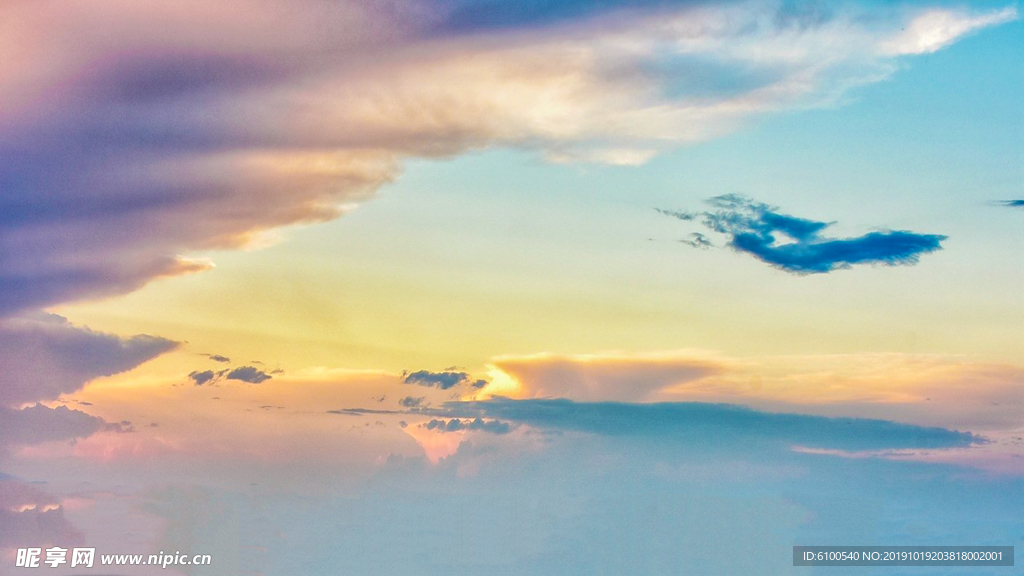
45,356
456,425
713,424
933,30
410,402
442,380
796,245
30,517
37,424
923,389
136,134
1012,203
203,377
219,358
122,427
249,374
610,376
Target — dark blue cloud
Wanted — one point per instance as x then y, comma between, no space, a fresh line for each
443,380
1012,203
761,231
249,374
201,378
712,424
219,358
456,424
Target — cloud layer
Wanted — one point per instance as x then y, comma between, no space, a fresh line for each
797,245
714,424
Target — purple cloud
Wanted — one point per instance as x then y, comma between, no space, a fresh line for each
46,356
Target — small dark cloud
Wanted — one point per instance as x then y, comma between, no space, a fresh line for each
457,424
1012,203
249,374
796,245
443,380
203,377
410,402
219,358
480,383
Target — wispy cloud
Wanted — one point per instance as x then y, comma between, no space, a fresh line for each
797,245
697,240
362,411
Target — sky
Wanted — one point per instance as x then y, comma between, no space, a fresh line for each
464,286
